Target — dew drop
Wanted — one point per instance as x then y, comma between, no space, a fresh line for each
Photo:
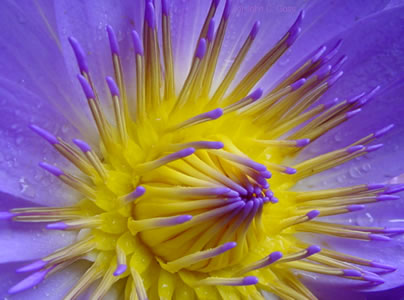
354,172
65,128
285,59
366,167
370,217
26,189
19,140
341,178
338,137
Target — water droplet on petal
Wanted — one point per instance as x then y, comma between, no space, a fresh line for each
284,60
19,140
354,172
366,167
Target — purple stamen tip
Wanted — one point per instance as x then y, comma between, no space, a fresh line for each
215,2
332,52
353,149
112,40
139,191
355,98
36,265
83,146
255,29
373,278
290,171
214,145
211,31
296,85
232,194
382,266
164,7
387,197
339,64
274,200
227,10
201,49
185,152
383,131
302,142
352,273
331,103
312,214
220,191
51,169
28,282
183,219
274,256
150,16
372,92
266,174
394,189
298,21
334,78
393,230
369,96
269,193
137,43
313,249
376,186
88,91
293,36
379,237
112,86
322,72
228,246
6,215
259,167
214,114
320,51
256,94
79,53
120,269
57,226
355,207
44,134
374,147
266,200
250,280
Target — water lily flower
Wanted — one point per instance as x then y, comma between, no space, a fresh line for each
201,149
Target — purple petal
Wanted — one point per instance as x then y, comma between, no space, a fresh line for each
28,38
371,63
55,286
16,238
86,22
22,149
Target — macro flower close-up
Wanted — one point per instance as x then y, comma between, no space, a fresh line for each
202,149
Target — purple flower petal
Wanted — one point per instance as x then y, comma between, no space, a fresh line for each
16,238
21,148
370,62
28,30
87,22
373,250
53,287
322,20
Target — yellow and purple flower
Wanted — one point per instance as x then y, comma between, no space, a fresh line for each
201,149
